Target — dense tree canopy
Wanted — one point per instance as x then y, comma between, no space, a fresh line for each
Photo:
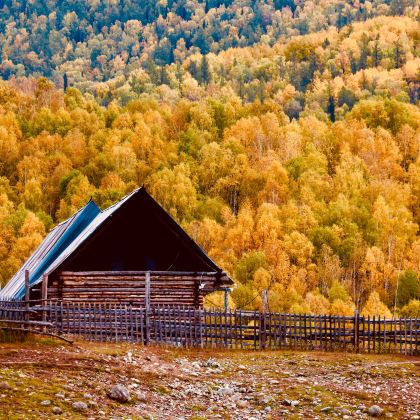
294,163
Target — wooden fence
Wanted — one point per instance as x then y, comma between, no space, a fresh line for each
186,326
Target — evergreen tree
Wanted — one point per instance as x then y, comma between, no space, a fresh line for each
205,71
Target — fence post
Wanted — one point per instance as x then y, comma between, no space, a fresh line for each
147,306
263,319
44,292
356,330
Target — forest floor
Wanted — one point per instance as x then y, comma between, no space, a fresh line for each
45,379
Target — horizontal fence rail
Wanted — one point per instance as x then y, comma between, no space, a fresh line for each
186,326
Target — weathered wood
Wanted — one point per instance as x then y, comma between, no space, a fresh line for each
356,331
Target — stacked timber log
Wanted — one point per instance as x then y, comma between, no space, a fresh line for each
183,288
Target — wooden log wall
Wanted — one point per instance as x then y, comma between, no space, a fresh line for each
129,287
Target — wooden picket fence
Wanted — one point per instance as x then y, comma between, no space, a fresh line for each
186,326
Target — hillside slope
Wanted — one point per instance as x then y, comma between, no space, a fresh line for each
293,162
100,40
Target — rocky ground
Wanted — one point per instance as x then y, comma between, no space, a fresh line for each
44,379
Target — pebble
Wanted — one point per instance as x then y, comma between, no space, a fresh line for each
80,406
4,385
225,391
140,396
326,409
57,410
241,403
375,411
45,403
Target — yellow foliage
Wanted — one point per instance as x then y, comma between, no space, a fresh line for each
374,307
342,307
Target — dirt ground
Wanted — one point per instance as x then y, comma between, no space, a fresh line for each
47,379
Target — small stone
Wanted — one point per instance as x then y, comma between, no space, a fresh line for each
60,395
375,411
4,385
45,403
213,364
87,396
268,409
140,396
196,365
242,403
80,406
57,410
119,393
415,417
344,411
225,391
294,403
326,409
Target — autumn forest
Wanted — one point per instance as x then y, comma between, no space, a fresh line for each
282,135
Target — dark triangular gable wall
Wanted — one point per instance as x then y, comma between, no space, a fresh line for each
139,236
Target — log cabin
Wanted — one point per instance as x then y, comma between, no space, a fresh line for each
112,256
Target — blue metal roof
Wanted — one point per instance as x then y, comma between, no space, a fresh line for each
55,243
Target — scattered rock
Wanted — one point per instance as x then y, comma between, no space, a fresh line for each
119,393
375,411
4,385
212,363
290,403
57,410
45,403
141,396
326,409
242,403
60,395
225,390
80,406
